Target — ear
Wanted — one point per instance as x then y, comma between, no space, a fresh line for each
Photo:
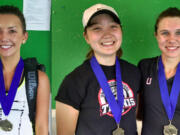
155,34
86,37
25,37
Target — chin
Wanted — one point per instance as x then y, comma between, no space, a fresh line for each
172,56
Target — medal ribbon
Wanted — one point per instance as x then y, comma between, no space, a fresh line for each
169,101
116,106
7,100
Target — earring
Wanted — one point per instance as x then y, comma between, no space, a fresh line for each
23,42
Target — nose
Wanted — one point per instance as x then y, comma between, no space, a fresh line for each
107,34
3,36
171,38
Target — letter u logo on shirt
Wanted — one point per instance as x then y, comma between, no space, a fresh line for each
148,81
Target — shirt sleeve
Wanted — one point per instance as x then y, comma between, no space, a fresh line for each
71,91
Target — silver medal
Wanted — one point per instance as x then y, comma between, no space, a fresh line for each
118,131
5,125
170,129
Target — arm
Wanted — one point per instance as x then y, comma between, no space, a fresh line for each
42,105
66,119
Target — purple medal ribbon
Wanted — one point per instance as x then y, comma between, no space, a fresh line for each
169,101
7,100
116,106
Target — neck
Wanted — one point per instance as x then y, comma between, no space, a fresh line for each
106,60
170,66
9,63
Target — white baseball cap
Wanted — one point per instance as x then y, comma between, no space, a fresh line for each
88,13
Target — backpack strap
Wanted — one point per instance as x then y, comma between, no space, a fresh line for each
31,67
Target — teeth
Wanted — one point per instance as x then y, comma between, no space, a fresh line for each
172,47
108,43
5,46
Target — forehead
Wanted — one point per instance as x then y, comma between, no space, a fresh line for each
169,22
7,20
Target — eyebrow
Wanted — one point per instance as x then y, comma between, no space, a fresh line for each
168,30
163,30
11,27
94,23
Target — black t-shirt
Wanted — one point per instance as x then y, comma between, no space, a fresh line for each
154,114
80,89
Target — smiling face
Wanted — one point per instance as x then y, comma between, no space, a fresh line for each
168,37
11,35
104,36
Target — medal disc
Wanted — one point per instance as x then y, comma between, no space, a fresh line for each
118,131
170,130
5,125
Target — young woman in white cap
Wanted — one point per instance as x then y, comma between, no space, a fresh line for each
99,96
161,77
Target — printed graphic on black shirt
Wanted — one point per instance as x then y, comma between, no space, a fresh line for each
129,100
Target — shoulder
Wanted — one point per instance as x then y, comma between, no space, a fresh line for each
80,72
84,67
42,77
148,67
43,82
127,66
148,62
131,76
129,71
126,63
77,79
72,90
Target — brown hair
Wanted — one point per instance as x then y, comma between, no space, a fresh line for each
91,53
6,9
170,12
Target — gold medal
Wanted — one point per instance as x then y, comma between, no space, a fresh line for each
170,129
6,125
118,131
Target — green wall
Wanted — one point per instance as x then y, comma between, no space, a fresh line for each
69,47
38,44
